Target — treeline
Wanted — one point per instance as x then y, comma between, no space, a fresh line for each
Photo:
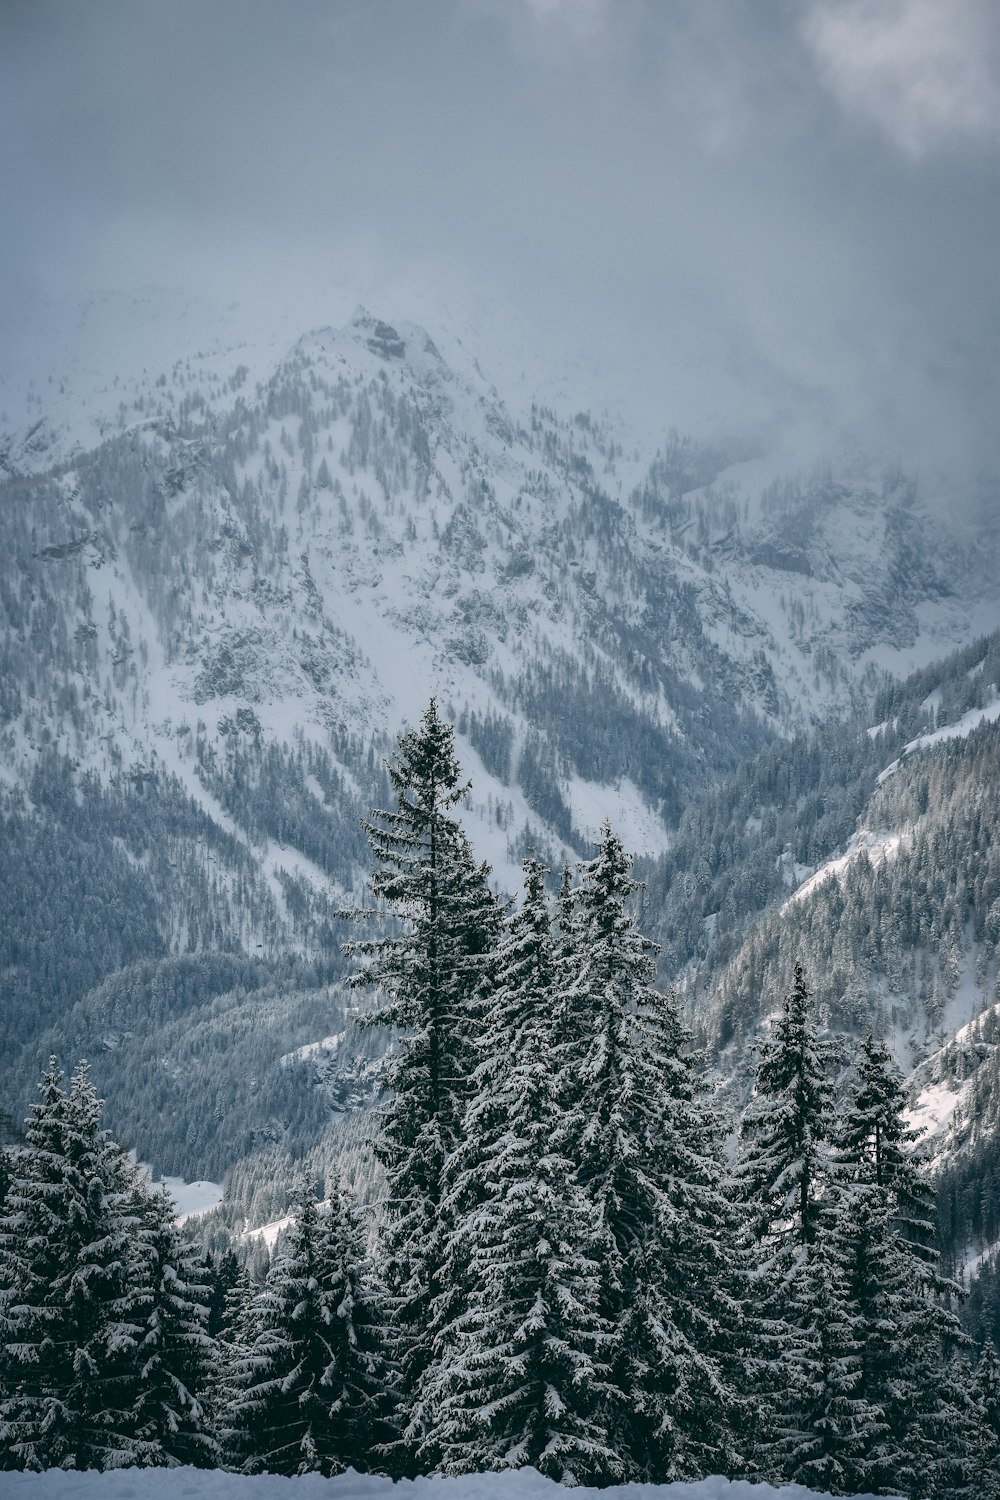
567,1271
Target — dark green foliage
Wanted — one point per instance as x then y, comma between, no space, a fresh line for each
435,975
223,1273
103,1311
177,1349
522,1368
70,1318
647,1151
986,1397
307,1387
783,1166
827,1423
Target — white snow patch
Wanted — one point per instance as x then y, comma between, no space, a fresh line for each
938,1100
960,730
189,1198
879,847
630,815
327,1046
935,1108
215,1484
269,1232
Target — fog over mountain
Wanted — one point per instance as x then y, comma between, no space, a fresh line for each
779,217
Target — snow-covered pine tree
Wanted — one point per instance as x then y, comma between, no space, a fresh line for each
917,1394
224,1271
69,1311
986,1394
824,1438
862,1241
784,1161
362,1381
521,1370
782,1176
307,1382
647,1153
877,1144
239,1369
179,1363
435,975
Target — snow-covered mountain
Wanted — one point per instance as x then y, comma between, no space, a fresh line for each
321,550
229,578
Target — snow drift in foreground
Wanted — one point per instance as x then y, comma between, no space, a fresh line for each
213,1484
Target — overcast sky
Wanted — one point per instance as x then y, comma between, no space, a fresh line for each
820,178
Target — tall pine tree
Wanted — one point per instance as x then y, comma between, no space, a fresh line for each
434,975
521,1374
916,1391
178,1357
783,1174
647,1155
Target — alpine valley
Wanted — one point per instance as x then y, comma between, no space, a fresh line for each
229,579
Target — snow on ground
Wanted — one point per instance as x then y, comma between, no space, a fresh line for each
879,847
193,1198
203,1484
631,816
938,1100
935,1107
322,1049
960,730
269,1232
190,1198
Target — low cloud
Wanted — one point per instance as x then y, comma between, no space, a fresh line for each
926,73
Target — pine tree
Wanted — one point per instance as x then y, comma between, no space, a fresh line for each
435,976
362,1382
828,1423
224,1272
307,1381
521,1370
648,1158
70,1314
782,1177
860,1240
5,1176
876,1144
178,1357
917,1394
239,1368
986,1395
784,1163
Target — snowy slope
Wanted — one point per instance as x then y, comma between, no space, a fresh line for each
388,507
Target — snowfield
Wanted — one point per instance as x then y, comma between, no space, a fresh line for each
213,1484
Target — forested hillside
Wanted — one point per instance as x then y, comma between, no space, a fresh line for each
215,621
567,1264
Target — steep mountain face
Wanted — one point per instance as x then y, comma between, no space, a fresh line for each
216,619
872,857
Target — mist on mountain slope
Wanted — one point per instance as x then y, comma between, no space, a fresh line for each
726,218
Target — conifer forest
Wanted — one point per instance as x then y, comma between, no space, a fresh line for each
499,749
576,1261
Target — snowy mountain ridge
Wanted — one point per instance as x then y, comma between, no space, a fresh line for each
216,619
372,523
